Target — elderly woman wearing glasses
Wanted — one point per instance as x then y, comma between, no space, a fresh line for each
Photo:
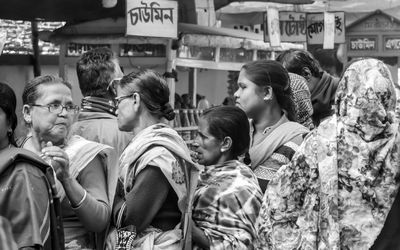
85,180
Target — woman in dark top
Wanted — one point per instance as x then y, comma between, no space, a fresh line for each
26,200
154,168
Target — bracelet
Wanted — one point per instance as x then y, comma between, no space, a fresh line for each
81,201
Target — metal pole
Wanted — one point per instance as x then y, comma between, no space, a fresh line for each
36,51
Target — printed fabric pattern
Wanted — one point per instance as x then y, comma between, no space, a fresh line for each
339,188
226,205
301,97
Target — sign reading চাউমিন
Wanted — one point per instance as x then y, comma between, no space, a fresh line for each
362,43
152,18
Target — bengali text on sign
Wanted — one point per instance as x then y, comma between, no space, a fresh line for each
155,18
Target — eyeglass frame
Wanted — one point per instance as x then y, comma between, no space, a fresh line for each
111,85
119,99
49,106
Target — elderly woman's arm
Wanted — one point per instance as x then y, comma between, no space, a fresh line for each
93,210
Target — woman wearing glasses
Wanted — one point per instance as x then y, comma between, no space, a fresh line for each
155,168
85,180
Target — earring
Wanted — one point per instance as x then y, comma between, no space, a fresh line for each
223,150
9,133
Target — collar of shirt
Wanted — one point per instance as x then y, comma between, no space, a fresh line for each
268,130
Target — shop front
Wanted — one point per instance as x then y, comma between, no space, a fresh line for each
375,35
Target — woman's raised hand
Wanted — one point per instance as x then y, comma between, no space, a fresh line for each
58,159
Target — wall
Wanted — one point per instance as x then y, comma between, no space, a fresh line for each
211,83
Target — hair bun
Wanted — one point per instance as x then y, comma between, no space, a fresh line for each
168,112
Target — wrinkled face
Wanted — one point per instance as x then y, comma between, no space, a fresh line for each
249,96
51,126
127,113
208,147
4,127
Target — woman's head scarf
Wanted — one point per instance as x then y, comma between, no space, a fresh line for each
302,100
340,186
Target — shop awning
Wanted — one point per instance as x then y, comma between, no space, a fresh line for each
83,10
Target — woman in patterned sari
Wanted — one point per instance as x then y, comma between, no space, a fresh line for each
228,198
341,186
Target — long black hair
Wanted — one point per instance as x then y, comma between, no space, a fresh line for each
229,121
8,103
273,74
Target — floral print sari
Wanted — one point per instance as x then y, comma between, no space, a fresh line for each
340,186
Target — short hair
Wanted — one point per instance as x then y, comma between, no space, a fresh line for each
95,70
229,121
153,91
8,103
273,74
30,93
295,60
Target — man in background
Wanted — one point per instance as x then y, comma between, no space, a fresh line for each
322,85
97,69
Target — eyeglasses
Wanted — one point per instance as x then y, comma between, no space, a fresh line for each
119,99
58,108
112,84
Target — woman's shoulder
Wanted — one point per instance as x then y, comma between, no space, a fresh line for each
158,156
245,180
160,151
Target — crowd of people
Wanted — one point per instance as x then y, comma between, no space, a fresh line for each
302,160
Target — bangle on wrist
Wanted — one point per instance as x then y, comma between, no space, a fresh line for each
81,201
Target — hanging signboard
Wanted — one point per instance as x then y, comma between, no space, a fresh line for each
329,31
273,27
292,26
154,18
315,28
392,43
362,43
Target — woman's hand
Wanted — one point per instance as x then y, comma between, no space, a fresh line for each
58,159
199,237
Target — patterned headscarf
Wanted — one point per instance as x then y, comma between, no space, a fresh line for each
340,186
302,100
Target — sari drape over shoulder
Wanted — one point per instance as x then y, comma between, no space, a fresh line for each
340,186
146,148
226,205
275,149
81,152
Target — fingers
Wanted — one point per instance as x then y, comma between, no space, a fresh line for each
54,151
55,156
194,155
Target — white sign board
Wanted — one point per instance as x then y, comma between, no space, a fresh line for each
329,30
155,18
315,28
292,26
273,27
